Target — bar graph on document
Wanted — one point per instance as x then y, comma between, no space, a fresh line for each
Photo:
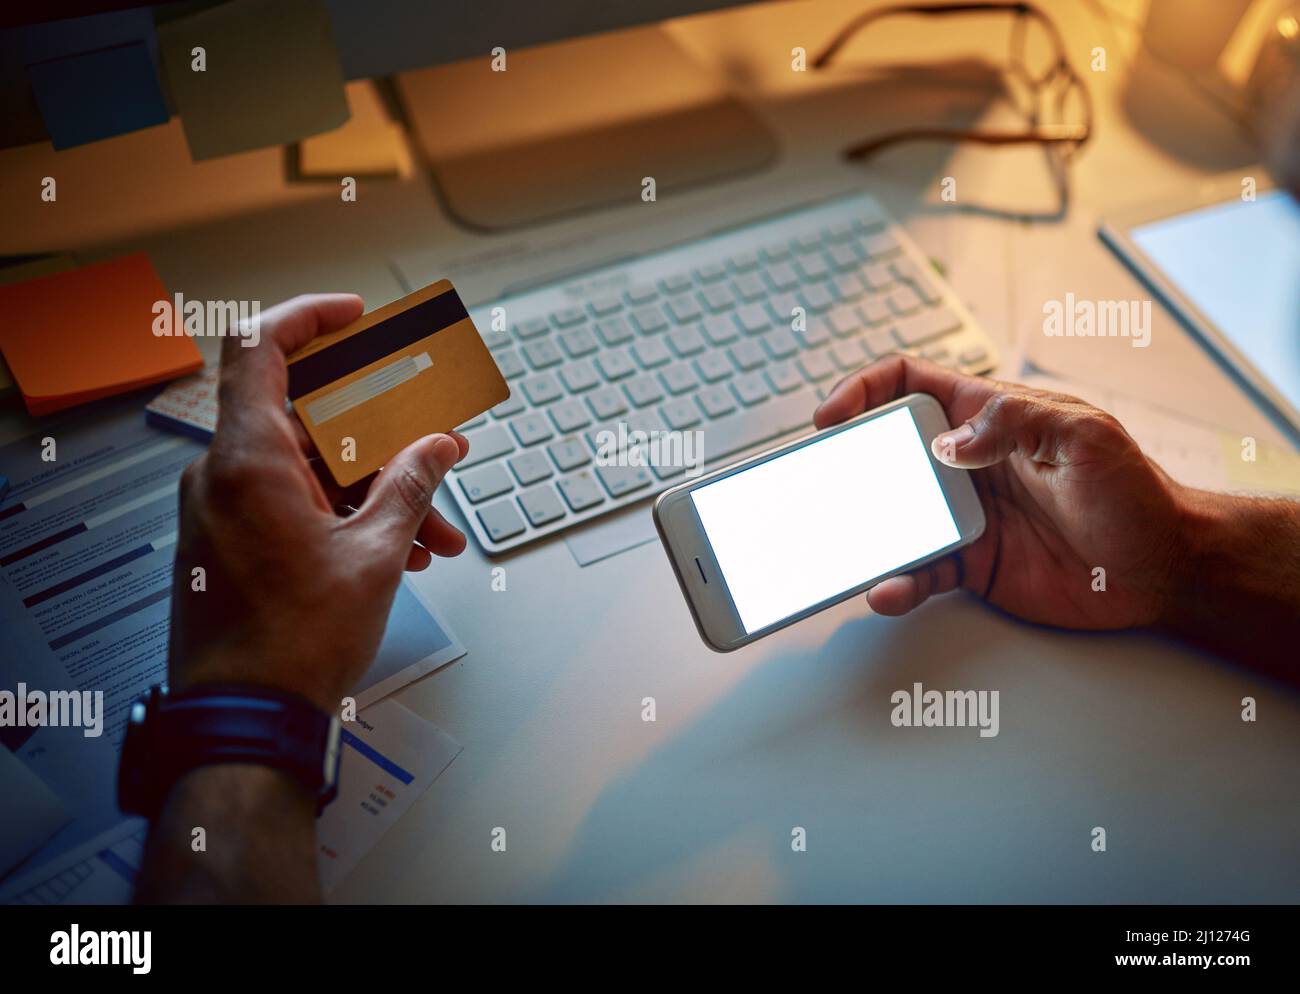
87,536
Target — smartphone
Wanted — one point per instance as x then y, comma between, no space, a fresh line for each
766,542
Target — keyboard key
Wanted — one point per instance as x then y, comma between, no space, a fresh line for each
873,311
531,328
620,480
785,307
840,231
809,241
816,365
542,353
742,262
528,467
541,506
509,407
843,258
647,420
604,305
680,414
684,308
750,389
721,330
486,483
509,363
485,444
713,367
782,276
848,287
567,317
531,429
568,454
844,321
579,376
749,287
686,341
710,272
649,320
606,403
679,378
569,416
783,377
542,389
496,339
879,341
715,401
747,355
881,244
615,331
642,294
904,300
878,276
848,355
676,283
816,333
643,390
925,326
974,355
501,521
780,344
578,342
651,352
754,319
817,298
717,299
813,267
615,364
580,491
776,251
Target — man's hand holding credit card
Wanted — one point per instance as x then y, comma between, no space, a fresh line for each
412,368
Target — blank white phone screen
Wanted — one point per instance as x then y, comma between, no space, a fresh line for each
825,518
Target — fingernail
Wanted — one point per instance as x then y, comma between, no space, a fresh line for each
446,451
947,443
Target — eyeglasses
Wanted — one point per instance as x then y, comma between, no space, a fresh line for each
1043,86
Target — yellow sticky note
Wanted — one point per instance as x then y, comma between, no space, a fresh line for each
252,73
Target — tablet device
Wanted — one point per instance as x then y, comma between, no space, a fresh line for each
1229,267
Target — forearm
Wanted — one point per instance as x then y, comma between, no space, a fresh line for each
259,832
1237,590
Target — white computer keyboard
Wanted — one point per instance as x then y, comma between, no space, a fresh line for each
736,336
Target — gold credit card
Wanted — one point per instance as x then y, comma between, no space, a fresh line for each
409,369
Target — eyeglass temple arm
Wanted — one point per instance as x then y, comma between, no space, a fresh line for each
1047,135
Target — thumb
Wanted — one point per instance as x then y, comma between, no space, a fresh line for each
400,497
1009,422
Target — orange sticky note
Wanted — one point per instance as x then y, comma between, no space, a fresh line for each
88,333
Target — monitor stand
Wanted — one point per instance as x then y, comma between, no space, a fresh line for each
576,125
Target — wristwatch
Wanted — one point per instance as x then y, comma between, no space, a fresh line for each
169,734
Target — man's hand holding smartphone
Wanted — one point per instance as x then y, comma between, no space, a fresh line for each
1065,490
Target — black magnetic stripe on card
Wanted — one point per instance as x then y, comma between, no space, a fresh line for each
338,360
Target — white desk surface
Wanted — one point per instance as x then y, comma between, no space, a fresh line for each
1128,731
